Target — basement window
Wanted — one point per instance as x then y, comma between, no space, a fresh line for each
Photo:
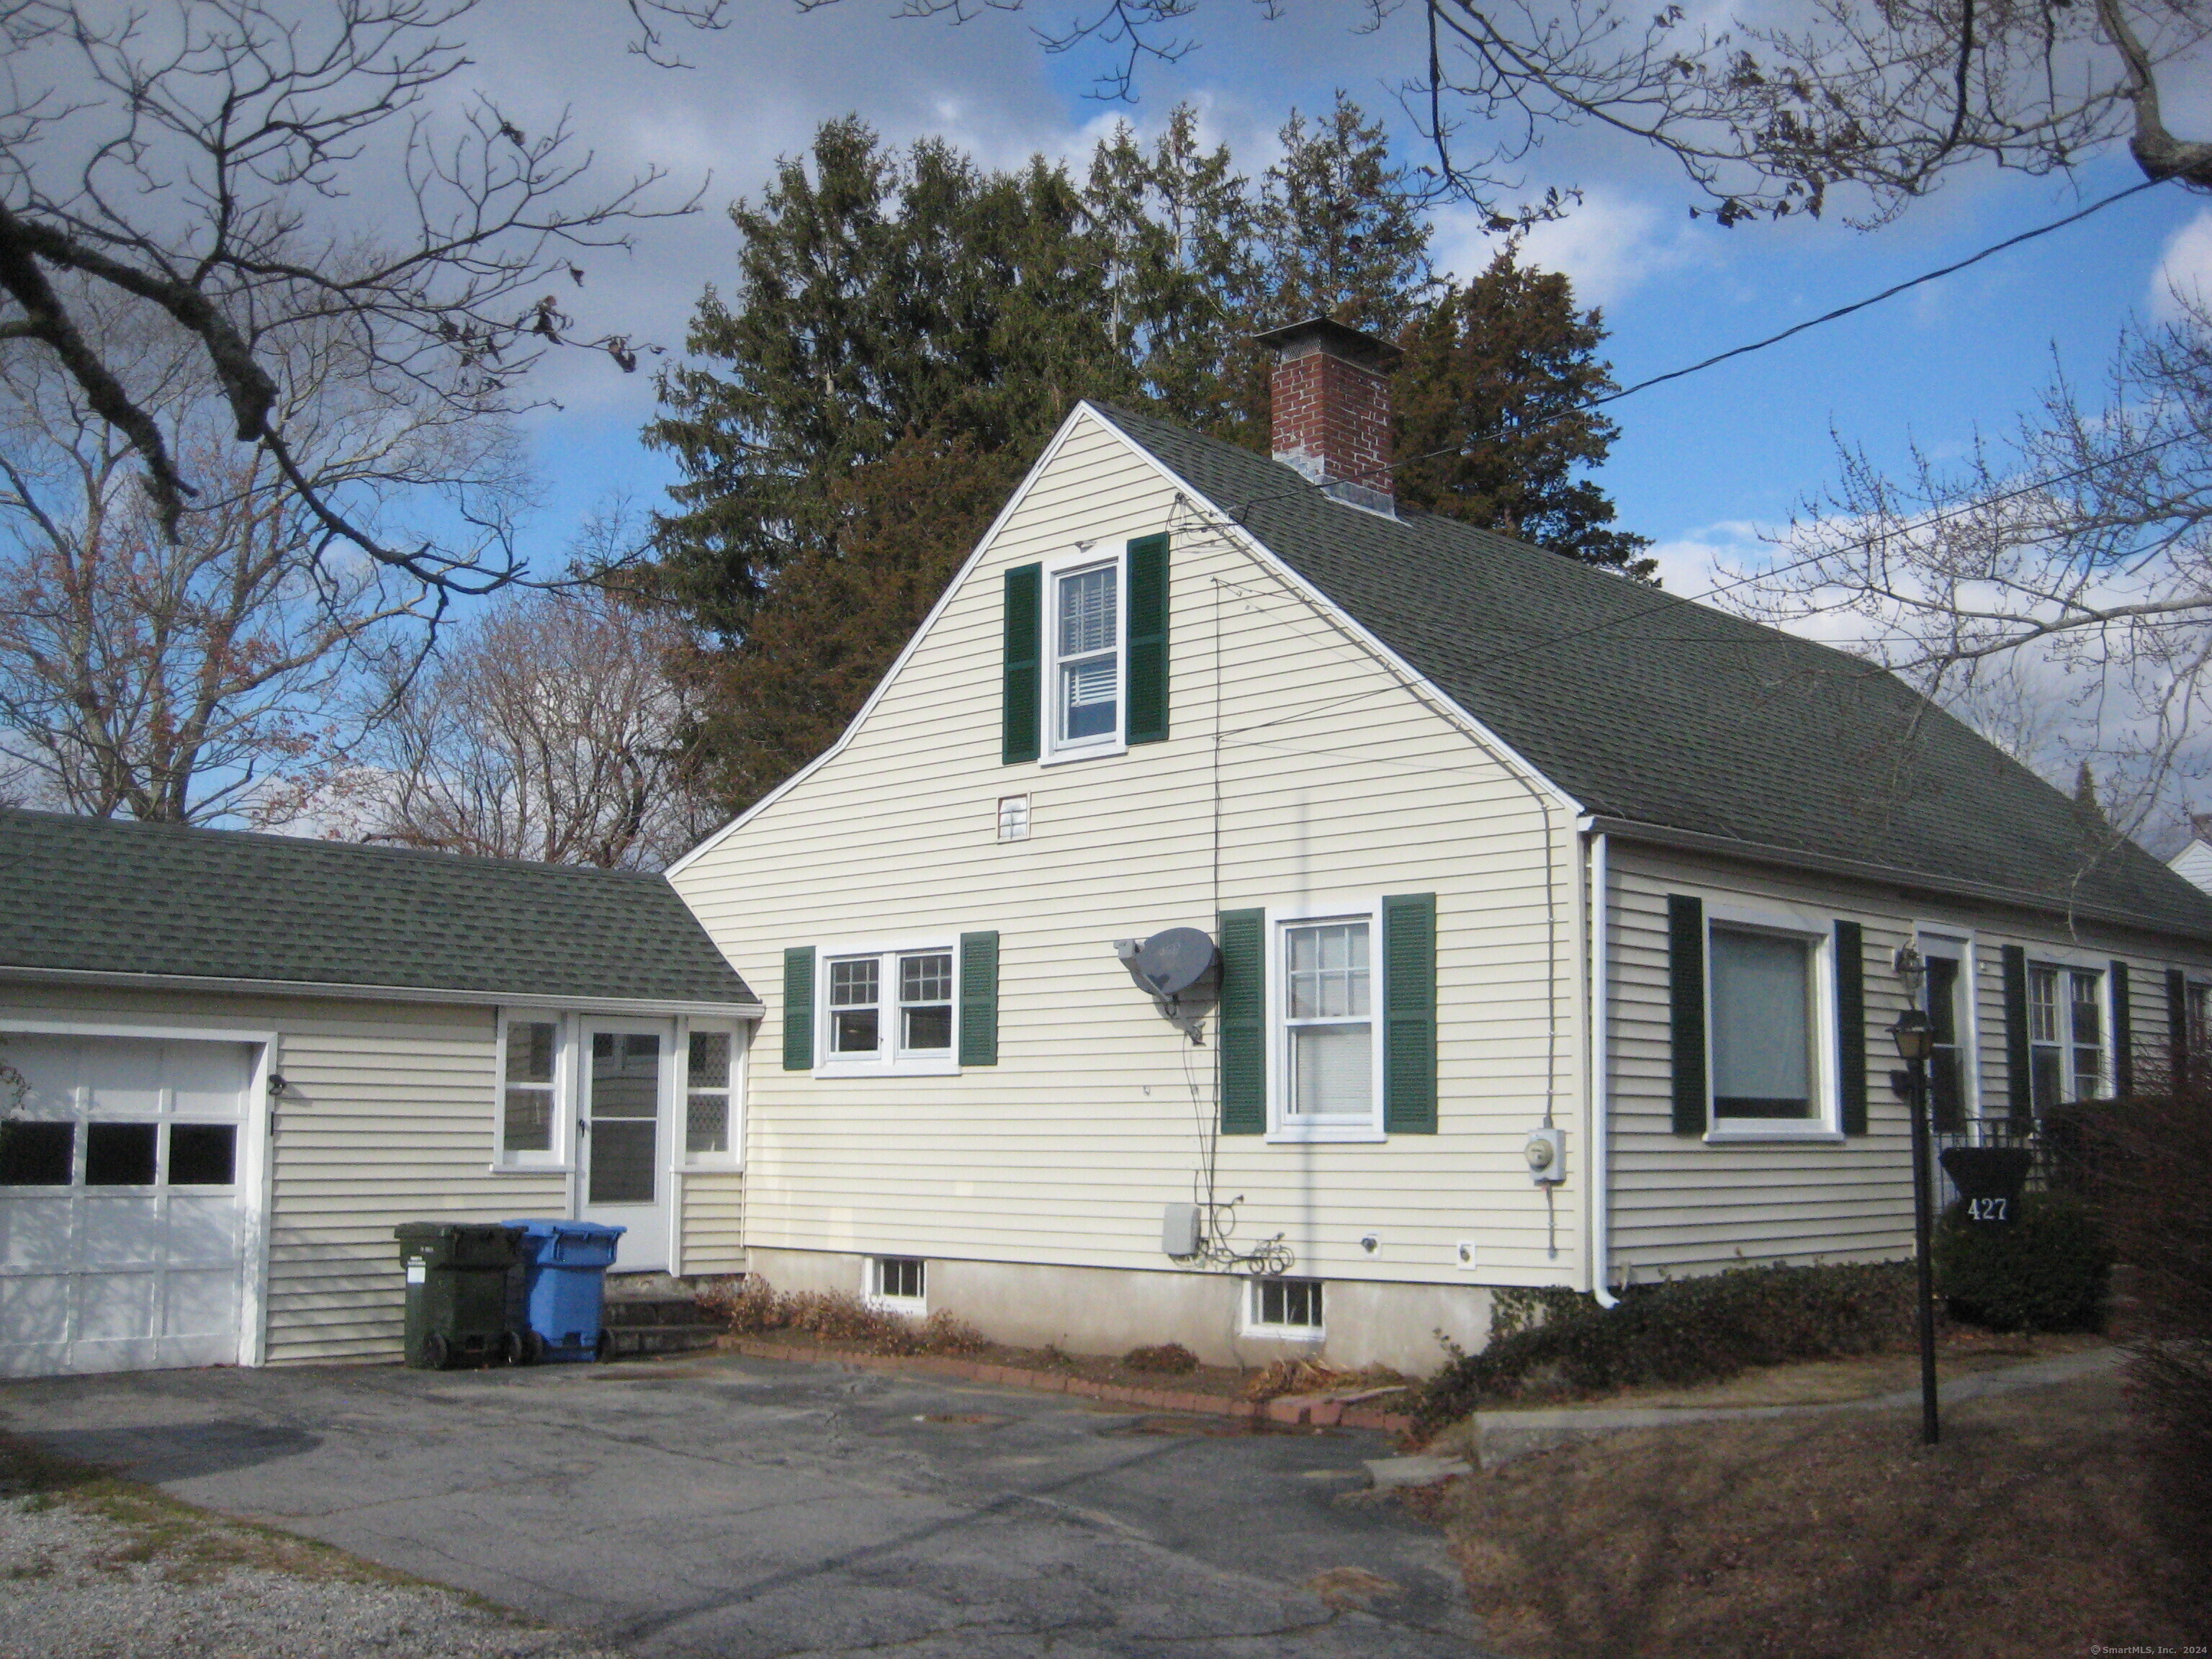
1284,1307
900,1282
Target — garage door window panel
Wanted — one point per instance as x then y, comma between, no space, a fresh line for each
34,1154
121,1154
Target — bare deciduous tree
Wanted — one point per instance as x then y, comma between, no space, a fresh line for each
1769,113
548,728
2054,588
195,677
198,158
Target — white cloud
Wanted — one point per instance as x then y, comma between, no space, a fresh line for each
1609,246
2185,267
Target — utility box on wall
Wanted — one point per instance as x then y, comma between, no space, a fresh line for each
1179,1235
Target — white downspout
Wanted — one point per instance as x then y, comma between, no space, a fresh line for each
1601,1065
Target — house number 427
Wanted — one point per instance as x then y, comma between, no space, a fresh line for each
1986,1209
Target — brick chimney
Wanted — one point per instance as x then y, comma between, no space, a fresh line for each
1332,408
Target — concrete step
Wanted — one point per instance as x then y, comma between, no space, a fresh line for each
628,1340
640,1311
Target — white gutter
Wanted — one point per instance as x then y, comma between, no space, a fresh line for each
1600,1065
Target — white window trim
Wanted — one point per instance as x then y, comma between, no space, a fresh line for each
686,1161
1248,1322
2068,963
1282,1130
915,1307
560,1159
1959,945
1051,750
888,1061
1825,1126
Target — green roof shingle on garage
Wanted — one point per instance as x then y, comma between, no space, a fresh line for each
1700,726
119,898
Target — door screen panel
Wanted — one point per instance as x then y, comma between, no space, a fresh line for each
625,1111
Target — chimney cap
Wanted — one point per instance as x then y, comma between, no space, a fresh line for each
1326,334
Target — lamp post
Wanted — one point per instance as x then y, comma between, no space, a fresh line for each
1916,1040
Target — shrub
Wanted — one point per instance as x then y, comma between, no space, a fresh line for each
1681,1330
2048,1271
752,1308
2151,1190
1169,1356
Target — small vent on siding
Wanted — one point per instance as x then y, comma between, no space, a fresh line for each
1014,818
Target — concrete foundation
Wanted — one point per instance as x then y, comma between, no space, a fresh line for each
1111,1310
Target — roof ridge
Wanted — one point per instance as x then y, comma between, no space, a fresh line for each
90,824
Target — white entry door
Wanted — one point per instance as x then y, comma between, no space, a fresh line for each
628,1083
123,1204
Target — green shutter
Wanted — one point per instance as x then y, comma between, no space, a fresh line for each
1686,994
1243,1041
2124,1033
2019,1098
1409,1014
2177,1027
799,1009
1850,1024
979,999
1148,640
1021,690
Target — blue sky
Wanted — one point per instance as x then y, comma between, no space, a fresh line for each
1700,464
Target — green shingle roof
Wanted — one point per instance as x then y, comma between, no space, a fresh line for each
1681,717
112,897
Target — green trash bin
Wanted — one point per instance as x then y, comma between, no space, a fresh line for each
458,1292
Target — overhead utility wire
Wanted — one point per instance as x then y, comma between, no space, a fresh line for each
1794,329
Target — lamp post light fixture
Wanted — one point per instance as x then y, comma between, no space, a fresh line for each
1916,1040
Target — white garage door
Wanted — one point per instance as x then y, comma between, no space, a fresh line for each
122,1210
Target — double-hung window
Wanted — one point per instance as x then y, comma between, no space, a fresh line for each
1326,997
891,1008
1765,1062
529,1118
1084,630
2065,1032
710,1077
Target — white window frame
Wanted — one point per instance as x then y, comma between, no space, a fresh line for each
1825,1126
1957,944
889,1060
871,1280
1282,1127
559,1158
1252,1326
687,1162
1054,750
2067,963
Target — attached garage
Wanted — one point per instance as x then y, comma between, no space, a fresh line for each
238,1062
132,1165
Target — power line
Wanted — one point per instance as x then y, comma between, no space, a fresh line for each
1794,330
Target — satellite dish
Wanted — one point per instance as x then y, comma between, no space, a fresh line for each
1171,962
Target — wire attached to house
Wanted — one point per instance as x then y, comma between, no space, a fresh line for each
1308,486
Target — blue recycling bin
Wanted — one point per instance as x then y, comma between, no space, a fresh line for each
564,1268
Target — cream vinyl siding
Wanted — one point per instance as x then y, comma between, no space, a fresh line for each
1679,1204
713,1223
1334,782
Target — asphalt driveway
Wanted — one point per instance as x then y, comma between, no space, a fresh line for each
756,1508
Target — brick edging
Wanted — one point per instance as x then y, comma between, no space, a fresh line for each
1314,1410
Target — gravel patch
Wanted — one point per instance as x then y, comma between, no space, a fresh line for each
121,1575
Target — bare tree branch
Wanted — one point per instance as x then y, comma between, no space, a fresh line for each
199,157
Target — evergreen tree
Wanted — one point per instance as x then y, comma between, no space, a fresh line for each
1500,375
908,329
1340,232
